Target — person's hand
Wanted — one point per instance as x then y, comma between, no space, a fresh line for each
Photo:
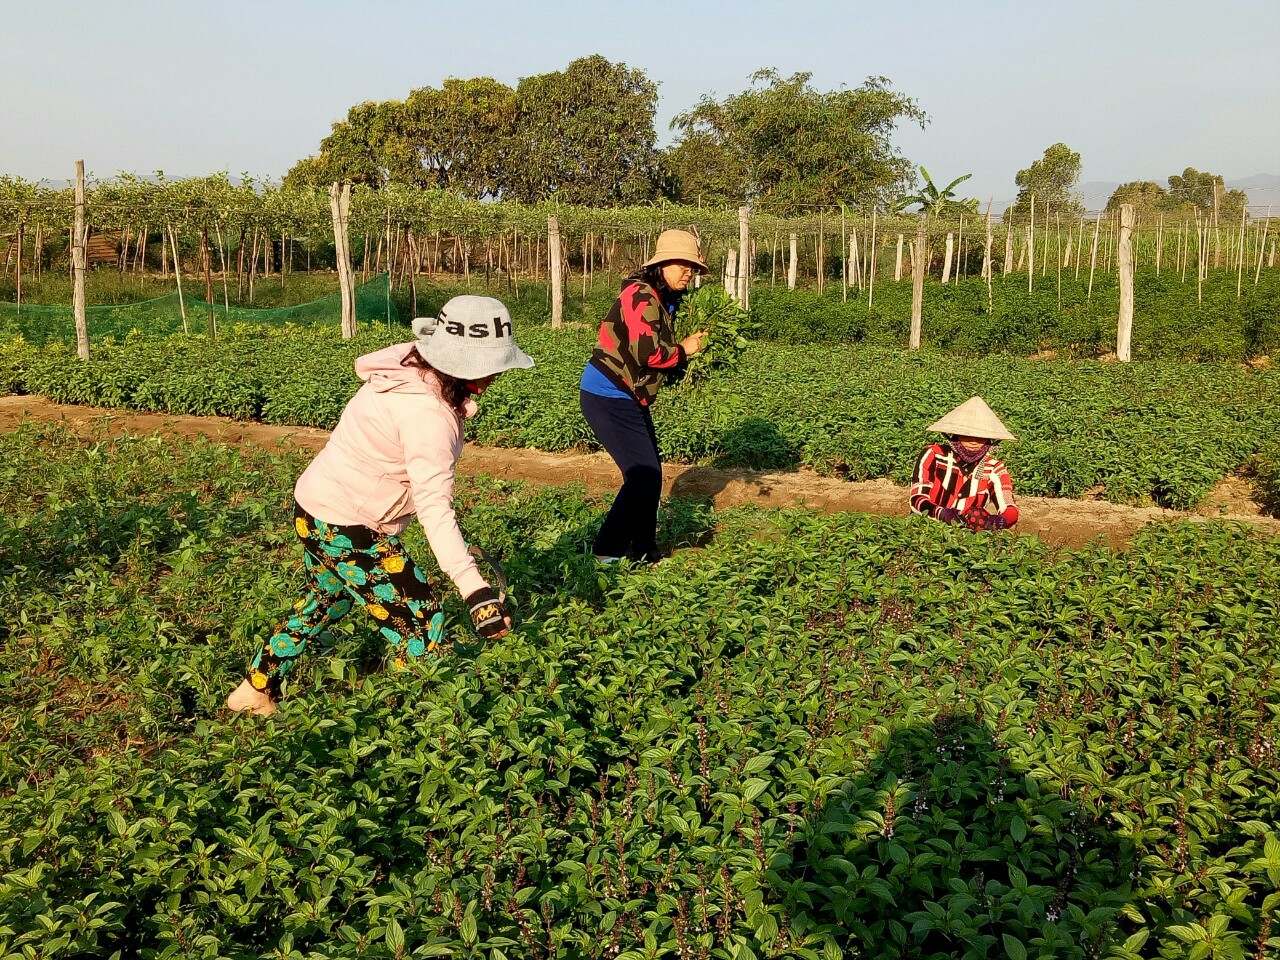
995,522
946,515
692,344
489,614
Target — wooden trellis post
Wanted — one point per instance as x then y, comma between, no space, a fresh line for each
871,269
1124,259
340,208
897,263
557,280
78,240
791,263
919,261
743,295
1031,245
986,261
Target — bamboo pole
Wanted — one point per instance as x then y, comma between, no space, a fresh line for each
1124,258
1159,243
177,274
821,257
17,266
792,264
1057,222
1007,266
253,261
1184,251
207,262
874,254
222,258
1093,256
1262,247
1079,246
844,256
1240,258
986,262
78,267
1201,257
1031,245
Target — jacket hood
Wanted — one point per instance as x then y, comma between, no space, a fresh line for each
382,372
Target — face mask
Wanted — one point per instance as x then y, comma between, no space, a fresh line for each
966,456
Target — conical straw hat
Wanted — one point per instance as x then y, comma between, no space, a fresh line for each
973,418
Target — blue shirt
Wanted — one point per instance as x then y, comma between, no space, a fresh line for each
594,381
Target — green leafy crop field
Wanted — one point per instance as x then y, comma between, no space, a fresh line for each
1158,431
812,737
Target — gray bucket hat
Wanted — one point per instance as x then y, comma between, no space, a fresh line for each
471,339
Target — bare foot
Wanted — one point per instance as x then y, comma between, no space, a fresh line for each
251,700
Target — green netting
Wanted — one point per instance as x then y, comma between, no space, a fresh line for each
164,316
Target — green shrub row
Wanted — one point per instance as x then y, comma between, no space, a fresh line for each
1173,318
1159,431
1170,322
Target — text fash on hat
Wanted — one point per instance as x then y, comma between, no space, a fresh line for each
677,245
973,418
470,340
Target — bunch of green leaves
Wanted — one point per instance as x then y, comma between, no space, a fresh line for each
728,326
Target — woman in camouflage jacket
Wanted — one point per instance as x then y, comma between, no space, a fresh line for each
636,347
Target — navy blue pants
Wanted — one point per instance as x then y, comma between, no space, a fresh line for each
625,430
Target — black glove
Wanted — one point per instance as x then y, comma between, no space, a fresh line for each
946,515
488,613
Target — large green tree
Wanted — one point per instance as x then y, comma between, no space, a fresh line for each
1052,181
1206,192
1146,196
784,145
454,138
585,135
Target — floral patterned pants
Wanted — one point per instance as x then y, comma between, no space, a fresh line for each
346,566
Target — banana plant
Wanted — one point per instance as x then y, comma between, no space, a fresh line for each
935,202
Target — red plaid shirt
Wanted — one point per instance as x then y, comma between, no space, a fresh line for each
942,481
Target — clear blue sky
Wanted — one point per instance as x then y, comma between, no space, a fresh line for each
1140,89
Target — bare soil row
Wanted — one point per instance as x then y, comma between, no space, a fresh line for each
1060,522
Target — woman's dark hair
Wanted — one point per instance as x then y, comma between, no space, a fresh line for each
453,390
652,275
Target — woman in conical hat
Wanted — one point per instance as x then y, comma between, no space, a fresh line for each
961,480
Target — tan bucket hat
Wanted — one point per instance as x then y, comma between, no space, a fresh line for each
676,245
973,418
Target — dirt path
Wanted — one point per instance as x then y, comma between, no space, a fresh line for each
1069,523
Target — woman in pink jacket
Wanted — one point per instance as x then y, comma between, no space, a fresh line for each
392,454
